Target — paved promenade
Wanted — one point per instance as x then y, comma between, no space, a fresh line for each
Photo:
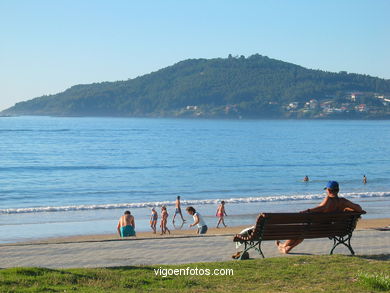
175,250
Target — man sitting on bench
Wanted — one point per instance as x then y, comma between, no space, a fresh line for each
331,203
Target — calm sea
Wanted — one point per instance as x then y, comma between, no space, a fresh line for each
67,176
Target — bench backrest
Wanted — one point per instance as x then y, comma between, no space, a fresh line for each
281,226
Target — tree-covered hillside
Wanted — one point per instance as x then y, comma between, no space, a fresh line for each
253,87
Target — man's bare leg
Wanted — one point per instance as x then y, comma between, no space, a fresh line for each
182,218
280,246
219,222
287,248
288,245
174,216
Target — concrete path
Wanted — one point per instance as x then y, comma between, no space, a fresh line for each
169,251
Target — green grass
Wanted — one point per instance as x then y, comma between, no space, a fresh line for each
375,281
286,274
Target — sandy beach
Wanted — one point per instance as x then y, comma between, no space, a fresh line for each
363,224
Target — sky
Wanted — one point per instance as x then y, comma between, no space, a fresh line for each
48,46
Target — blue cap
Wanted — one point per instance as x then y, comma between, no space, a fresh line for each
332,185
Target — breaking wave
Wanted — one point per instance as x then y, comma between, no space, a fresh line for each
276,198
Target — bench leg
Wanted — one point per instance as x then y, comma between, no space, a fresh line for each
259,249
346,240
251,245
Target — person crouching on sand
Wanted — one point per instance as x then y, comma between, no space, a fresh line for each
221,213
164,220
331,203
198,220
126,225
153,220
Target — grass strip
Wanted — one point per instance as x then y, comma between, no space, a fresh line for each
284,274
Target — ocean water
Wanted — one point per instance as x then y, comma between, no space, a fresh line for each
71,176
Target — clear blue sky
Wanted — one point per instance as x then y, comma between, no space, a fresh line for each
48,46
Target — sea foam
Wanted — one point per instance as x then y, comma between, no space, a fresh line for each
275,198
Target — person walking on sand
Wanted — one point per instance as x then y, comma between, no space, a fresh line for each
198,220
331,203
164,220
153,220
178,210
126,225
221,213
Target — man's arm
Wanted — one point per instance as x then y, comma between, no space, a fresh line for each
321,207
132,222
118,228
350,206
317,209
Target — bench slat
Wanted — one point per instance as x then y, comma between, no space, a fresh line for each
306,217
305,236
306,227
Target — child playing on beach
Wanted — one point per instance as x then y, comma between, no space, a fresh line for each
198,220
221,213
153,220
164,220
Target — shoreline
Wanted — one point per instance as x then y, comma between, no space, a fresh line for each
363,224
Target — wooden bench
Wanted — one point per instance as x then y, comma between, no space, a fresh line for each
282,226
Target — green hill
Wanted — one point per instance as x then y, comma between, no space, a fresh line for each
253,87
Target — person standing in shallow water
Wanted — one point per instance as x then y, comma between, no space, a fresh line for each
364,179
221,213
164,220
178,210
126,225
331,203
153,220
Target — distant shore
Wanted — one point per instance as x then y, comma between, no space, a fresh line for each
363,224
335,117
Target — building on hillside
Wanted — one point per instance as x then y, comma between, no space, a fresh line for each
231,108
362,108
293,106
355,95
313,104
